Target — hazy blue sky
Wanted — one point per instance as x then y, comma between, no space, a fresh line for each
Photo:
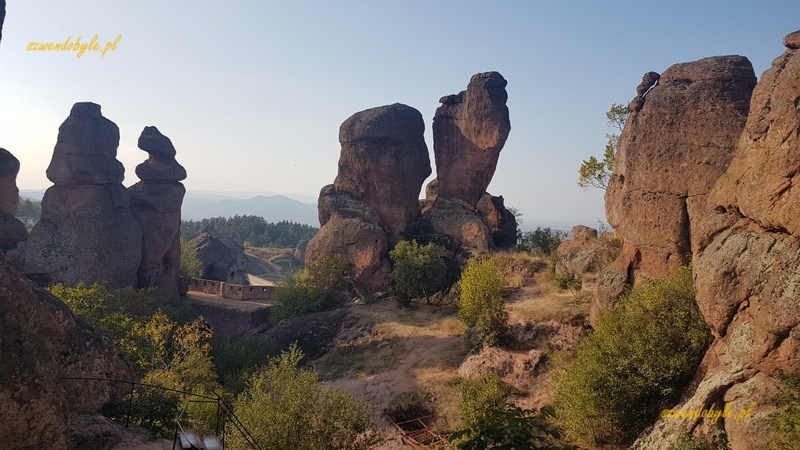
252,93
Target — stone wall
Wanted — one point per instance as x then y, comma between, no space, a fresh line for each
231,291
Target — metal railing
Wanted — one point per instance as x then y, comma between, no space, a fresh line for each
224,414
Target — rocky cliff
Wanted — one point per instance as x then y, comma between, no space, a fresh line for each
87,231
12,230
679,139
383,163
746,256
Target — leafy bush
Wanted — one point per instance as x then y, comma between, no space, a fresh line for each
567,281
481,304
480,397
786,421
283,407
718,442
237,357
542,240
417,271
511,427
190,265
320,287
640,358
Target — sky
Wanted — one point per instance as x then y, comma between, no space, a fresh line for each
252,93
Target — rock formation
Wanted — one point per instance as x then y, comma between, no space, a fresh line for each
41,341
156,205
469,131
223,259
86,232
502,222
382,165
672,150
12,230
2,16
746,259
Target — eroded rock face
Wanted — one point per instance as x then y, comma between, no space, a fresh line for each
42,341
223,259
747,254
12,230
502,222
156,204
671,152
383,163
469,130
86,232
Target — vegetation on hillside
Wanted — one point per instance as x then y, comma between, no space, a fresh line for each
481,303
284,407
29,209
321,286
190,264
541,241
254,230
640,358
417,271
786,420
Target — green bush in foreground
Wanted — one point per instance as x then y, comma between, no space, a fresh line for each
786,421
318,288
417,271
481,304
480,397
284,408
718,442
637,362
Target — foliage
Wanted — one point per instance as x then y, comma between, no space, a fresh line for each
29,209
786,421
237,357
718,442
567,281
640,357
597,172
253,229
318,288
190,264
480,397
284,407
164,352
481,304
417,271
511,427
541,240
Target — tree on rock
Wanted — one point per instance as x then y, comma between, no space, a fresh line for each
596,172
417,271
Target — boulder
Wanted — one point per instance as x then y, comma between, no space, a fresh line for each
223,259
747,250
670,154
12,230
502,222
383,163
469,130
41,342
156,204
86,232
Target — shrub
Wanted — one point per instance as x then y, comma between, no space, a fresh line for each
283,407
320,287
511,427
236,357
481,304
640,357
480,397
567,281
718,442
786,421
541,240
190,265
417,271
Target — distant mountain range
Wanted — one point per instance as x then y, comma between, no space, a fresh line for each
273,207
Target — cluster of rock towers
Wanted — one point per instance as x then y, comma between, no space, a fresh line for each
92,228
374,201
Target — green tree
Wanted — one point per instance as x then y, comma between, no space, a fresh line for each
481,303
190,265
511,428
541,240
417,271
319,287
597,172
640,357
284,407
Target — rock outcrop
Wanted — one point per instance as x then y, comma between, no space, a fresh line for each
383,163
502,222
746,259
156,204
223,259
672,150
469,131
2,16
12,230
41,342
86,232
